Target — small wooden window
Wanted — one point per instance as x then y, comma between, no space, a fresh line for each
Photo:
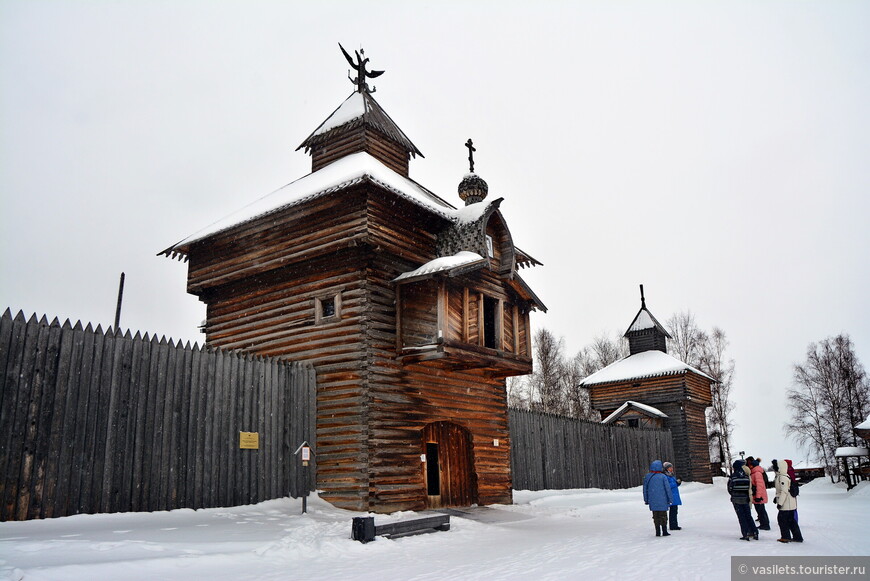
327,308
633,423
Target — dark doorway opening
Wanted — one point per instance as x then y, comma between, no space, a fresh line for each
433,470
489,311
449,475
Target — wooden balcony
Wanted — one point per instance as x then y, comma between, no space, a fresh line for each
456,327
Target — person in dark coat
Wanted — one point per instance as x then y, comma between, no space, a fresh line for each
657,495
739,487
675,492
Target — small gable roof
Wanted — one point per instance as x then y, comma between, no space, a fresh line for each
629,405
642,365
644,320
359,109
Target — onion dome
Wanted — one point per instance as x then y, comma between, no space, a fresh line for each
472,189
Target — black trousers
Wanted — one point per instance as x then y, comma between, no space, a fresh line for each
788,526
672,515
763,519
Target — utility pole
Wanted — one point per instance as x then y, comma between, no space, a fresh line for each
120,298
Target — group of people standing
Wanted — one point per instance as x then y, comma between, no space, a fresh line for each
747,486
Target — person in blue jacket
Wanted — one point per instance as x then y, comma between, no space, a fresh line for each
675,492
657,495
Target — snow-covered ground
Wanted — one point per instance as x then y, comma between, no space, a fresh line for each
568,534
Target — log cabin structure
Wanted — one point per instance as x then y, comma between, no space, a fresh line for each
410,309
653,389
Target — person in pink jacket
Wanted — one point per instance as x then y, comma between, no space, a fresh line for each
759,495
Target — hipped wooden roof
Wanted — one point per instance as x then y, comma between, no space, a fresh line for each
364,110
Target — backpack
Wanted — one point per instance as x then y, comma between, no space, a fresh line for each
740,484
793,489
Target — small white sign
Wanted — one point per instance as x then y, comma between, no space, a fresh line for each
422,457
306,454
495,442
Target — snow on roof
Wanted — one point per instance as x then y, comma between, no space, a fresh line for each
640,365
647,408
442,263
643,321
341,173
865,425
847,451
353,107
472,212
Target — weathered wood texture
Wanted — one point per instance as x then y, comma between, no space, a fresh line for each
260,283
554,452
361,139
102,422
683,398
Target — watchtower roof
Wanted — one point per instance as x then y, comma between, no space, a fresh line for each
359,110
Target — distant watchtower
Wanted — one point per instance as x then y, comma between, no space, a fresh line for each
651,388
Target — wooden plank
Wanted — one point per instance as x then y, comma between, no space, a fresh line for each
14,391
65,498
54,439
42,429
144,436
133,374
195,431
22,368
115,395
28,504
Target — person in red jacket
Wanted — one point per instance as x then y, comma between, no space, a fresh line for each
759,495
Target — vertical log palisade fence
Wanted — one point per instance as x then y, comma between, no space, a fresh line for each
94,421
555,452
97,422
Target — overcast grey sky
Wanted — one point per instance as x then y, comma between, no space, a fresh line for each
716,152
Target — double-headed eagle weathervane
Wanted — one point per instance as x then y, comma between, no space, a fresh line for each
361,72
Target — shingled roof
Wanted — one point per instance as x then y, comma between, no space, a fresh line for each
360,109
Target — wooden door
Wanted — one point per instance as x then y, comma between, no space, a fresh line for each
448,472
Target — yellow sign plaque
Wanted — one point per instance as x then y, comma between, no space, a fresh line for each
249,440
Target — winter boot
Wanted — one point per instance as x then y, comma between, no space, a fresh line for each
665,532
658,530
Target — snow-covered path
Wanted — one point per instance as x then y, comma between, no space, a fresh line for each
565,535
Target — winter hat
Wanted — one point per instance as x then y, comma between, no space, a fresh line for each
738,465
775,466
655,466
667,465
750,461
791,473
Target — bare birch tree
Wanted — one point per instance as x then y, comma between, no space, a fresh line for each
831,395
546,382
